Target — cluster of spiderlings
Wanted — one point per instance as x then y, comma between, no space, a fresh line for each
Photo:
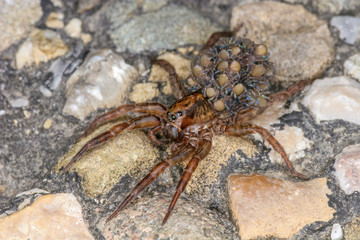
233,75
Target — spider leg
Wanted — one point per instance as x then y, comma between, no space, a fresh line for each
174,79
139,122
190,168
289,92
247,128
215,37
152,137
156,109
182,155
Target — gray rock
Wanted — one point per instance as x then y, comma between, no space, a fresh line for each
299,43
17,17
189,220
335,6
167,28
348,26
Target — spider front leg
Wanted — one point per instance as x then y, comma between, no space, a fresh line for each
247,128
156,109
139,122
215,37
176,87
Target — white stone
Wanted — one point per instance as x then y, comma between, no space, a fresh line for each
73,28
352,66
103,80
294,143
334,98
336,232
347,169
348,26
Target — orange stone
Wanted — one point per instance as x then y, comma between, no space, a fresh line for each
264,207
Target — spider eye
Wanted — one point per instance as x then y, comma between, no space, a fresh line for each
173,117
179,114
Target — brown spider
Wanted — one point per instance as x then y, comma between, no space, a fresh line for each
229,83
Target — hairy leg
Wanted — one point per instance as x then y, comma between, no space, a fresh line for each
139,122
156,109
182,155
215,37
289,92
204,147
247,128
174,79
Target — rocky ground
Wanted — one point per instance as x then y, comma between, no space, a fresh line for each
64,62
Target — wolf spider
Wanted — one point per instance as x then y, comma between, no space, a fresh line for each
229,83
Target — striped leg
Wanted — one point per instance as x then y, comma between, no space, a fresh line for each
247,128
182,155
156,109
190,168
139,122
174,79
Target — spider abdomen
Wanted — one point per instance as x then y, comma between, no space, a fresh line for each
233,75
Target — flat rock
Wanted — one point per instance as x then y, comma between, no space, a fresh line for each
299,43
54,216
166,28
347,169
100,169
102,81
352,229
265,207
40,46
144,92
17,19
334,98
142,220
352,66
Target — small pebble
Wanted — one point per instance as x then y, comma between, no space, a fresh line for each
45,91
19,102
86,37
73,28
27,114
336,232
47,123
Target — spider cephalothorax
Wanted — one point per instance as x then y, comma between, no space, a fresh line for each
229,83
